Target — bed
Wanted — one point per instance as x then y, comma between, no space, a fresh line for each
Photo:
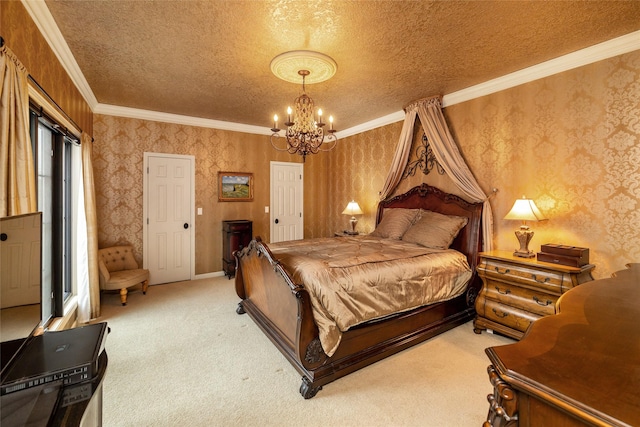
270,281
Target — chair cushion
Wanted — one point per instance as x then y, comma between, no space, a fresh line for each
118,258
125,279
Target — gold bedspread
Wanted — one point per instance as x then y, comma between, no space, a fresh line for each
352,280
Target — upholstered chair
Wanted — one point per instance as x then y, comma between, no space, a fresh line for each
119,270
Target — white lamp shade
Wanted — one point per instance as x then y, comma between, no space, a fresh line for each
352,209
525,210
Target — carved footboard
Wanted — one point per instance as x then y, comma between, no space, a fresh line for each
281,308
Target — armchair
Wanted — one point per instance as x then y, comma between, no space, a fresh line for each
119,270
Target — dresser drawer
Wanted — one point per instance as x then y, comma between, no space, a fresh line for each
533,277
506,315
523,298
236,226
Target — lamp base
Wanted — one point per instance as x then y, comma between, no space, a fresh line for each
524,237
353,222
529,254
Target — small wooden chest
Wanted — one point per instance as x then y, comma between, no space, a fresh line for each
565,255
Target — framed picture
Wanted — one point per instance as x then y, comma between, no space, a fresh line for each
235,187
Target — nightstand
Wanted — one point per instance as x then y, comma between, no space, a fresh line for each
517,291
344,234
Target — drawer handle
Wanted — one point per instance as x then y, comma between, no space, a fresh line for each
507,292
544,304
501,315
506,271
546,279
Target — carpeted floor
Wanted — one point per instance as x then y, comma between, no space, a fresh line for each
181,356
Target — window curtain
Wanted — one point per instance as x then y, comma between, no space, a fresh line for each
88,281
429,111
17,176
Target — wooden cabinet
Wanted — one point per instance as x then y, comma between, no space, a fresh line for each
576,368
518,291
235,235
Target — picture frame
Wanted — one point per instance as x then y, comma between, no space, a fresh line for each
235,187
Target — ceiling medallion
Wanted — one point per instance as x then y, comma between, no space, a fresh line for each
305,134
287,65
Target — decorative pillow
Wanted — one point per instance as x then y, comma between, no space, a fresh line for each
395,221
435,230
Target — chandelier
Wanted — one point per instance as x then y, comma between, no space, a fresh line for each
305,130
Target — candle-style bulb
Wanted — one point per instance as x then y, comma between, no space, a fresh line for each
319,112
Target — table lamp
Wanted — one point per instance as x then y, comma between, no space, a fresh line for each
524,210
352,209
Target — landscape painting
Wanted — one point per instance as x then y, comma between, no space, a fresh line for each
235,187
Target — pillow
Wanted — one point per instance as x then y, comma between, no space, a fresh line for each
394,223
435,230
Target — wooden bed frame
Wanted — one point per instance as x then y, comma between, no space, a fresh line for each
282,309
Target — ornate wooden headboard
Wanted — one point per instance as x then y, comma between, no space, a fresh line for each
469,240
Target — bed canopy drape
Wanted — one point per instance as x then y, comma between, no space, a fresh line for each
429,111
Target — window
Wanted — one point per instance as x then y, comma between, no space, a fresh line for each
53,152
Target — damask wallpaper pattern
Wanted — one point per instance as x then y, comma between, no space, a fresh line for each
570,141
120,144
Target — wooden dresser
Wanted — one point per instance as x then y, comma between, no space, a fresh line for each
517,291
579,367
235,235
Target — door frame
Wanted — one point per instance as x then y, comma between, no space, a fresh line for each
300,167
192,203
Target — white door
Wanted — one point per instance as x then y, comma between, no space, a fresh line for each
20,251
286,201
169,217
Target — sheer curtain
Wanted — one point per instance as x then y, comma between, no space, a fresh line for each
429,111
17,176
87,239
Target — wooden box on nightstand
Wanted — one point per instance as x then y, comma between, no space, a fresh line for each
517,291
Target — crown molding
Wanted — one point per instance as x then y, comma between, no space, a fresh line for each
376,123
43,19
47,26
595,53
135,113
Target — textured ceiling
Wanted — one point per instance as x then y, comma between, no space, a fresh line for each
210,59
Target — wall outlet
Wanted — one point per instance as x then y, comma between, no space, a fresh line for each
199,211
266,209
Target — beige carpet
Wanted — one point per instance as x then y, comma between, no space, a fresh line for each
181,356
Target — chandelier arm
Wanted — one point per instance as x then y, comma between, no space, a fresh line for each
329,139
276,136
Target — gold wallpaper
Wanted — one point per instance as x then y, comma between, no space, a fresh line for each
25,40
120,144
569,141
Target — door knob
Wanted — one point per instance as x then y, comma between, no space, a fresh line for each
3,236
186,225
277,221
